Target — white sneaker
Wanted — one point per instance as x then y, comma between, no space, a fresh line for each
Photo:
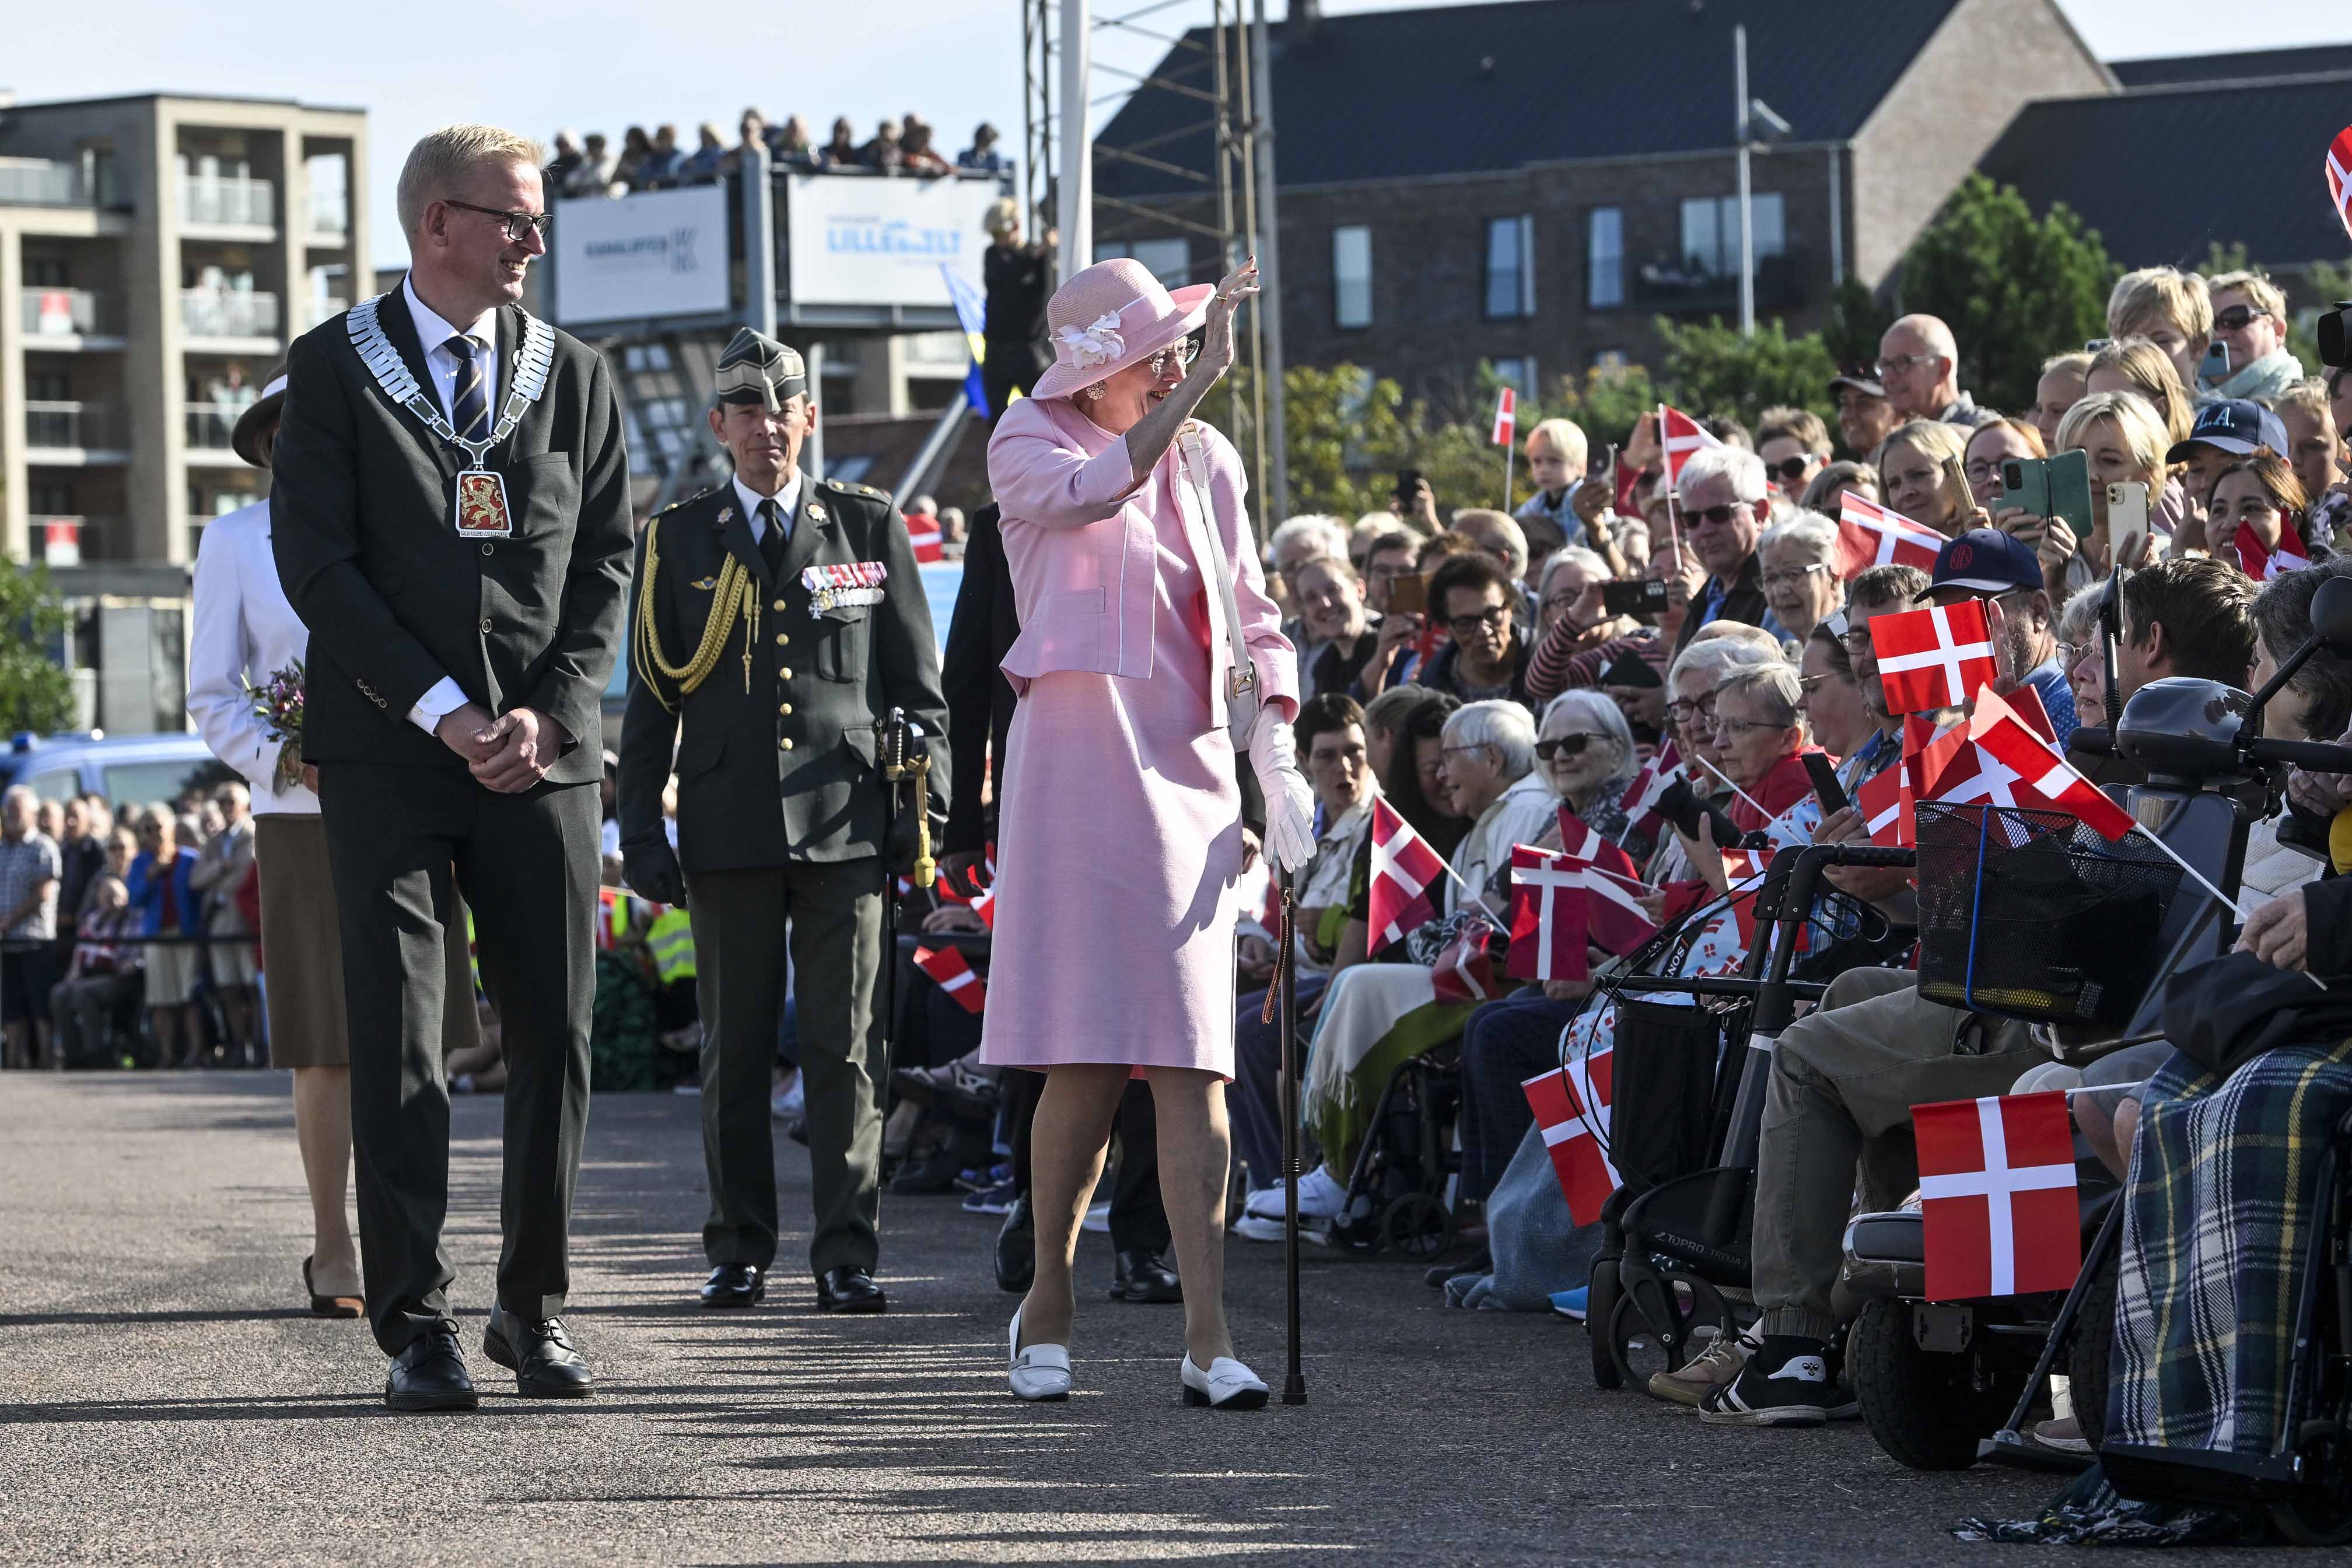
1256,1227
789,1102
1039,1372
1321,1196
1097,1219
1226,1385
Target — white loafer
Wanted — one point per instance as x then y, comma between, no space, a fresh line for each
1039,1371
1226,1385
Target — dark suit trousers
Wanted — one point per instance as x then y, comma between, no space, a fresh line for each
1138,1220
396,838
835,910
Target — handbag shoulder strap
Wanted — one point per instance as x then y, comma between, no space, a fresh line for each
1194,459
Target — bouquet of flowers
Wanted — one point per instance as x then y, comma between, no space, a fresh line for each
278,706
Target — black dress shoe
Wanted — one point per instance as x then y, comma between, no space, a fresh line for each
849,1289
429,1374
930,1178
734,1285
1144,1276
1016,1248
541,1357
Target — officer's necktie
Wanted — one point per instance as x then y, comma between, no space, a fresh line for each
771,537
469,411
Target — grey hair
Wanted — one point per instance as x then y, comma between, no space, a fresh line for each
1718,658
2080,618
1604,714
15,793
1328,534
1500,723
1774,686
1578,554
1816,533
1743,468
443,157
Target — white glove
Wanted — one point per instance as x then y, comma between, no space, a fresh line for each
1290,803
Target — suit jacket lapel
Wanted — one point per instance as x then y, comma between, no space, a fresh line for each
400,331
510,340
735,533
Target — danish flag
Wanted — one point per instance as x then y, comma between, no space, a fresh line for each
984,906
1585,843
1885,806
1679,435
2339,176
1996,1175
1507,416
1559,904
1404,869
949,967
1936,658
1463,972
1571,1106
1659,774
923,533
2003,736
1870,535
2262,564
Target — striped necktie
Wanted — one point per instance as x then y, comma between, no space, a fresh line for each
469,411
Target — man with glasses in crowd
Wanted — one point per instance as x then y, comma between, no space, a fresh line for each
1719,492
451,510
1919,366
1475,599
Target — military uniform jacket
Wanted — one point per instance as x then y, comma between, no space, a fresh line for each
394,599
777,762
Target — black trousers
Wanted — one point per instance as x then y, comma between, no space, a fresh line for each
1138,1220
397,839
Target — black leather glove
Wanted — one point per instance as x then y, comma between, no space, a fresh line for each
898,852
652,871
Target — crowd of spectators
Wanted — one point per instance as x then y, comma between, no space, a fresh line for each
129,931
592,165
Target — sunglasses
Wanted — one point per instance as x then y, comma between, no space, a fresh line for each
1789,468
1718,515
1572,745
2237,317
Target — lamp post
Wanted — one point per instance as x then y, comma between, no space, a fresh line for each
1752,119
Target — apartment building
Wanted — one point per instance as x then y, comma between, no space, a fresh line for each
157,253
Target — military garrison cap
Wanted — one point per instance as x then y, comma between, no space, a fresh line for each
756,368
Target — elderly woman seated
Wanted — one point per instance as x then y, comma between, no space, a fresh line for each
1801,581
1376,1016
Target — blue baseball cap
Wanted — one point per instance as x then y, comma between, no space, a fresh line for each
2234,424
1984,561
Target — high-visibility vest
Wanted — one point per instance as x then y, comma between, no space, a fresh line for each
670,939
611,918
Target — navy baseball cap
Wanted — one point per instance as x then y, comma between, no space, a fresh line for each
1984,561
2235,424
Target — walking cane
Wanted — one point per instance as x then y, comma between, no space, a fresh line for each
898,767
1285,996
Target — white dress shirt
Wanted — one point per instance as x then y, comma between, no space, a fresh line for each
444,697
788,502
244,629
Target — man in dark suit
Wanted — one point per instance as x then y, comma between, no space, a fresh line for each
450,517
777,621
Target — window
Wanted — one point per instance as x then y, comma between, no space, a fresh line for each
1518,374
1169,261
1510,268
1351,276
1711,233
1604,258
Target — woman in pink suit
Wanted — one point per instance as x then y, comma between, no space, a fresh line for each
1119,835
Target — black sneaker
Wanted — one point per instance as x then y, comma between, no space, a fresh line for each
1785,1384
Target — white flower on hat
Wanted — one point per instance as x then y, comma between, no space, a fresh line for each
1097,344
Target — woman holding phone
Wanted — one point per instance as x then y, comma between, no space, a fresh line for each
1919,473
2125,443
1990,445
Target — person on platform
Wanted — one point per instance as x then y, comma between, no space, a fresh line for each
1145,623
450,518
778,620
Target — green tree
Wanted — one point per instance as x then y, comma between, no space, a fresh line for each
1712,371
2013,291
1857,320
36,694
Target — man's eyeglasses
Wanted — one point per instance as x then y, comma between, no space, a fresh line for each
510,224
1729,727
1718,515
1789,469
1900,362
1573,745
1457,751
1683,710
2237,319
1790,579
1493,618
1183,354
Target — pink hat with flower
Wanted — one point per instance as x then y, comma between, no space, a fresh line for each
1113,315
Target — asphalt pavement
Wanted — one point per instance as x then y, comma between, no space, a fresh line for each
164,1397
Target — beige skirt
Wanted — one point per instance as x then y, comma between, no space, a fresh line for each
302,950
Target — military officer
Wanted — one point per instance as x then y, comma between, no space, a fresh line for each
776,622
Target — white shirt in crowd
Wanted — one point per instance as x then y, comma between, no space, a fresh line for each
244,629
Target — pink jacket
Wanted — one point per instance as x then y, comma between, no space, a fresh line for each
1080,548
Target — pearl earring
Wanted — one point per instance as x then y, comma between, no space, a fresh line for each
1095,393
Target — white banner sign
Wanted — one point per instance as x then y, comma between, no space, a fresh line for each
882,241
662,253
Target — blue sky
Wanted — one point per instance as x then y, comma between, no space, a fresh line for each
604,64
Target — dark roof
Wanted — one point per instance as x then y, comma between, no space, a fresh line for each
2164,172
2245,65
1391,95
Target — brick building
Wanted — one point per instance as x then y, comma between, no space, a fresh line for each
1530,182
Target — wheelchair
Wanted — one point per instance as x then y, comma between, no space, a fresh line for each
1397,1186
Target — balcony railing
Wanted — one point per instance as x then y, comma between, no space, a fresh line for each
209,425
69,424
230,313
61,312
249,204
69,540
1780,286
41,182
330,213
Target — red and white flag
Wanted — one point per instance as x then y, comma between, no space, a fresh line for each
984,906
1679,435
1463,972
1659,774
923,532
1585,843
1886,809
1405,870
949,967
2264,562
2339,176
1870,535
2049,780
1997,1178
1571,1106
1507,416
1938,656
1548,917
